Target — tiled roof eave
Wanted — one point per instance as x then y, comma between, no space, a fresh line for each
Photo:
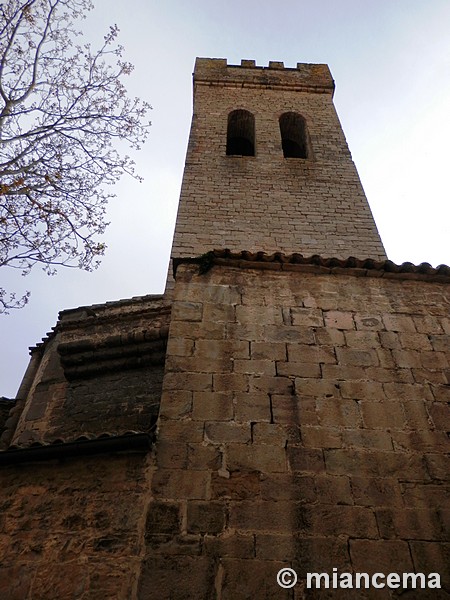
104,443
318,265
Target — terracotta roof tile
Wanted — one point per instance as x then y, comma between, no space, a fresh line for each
81,446
278,261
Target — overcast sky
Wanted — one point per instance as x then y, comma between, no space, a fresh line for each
391,63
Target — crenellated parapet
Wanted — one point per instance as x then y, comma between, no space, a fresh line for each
304,77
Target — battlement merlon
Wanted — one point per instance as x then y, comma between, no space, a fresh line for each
304,78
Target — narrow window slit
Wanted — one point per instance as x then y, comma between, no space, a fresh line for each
294,136
241,133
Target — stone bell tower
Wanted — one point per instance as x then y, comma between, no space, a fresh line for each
268,167
301,421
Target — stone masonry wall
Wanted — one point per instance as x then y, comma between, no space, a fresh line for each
303,423
312,206
73,480
72,529
100,372
73,502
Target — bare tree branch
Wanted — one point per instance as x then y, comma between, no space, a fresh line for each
62,105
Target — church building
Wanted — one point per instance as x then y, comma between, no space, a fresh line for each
284,405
